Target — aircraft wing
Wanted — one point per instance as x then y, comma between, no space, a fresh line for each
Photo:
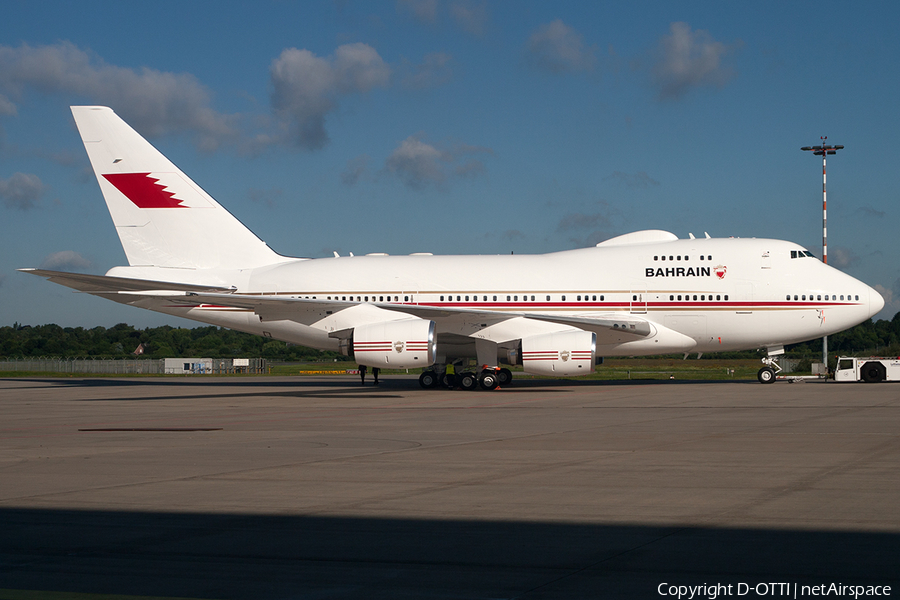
611,328
339,317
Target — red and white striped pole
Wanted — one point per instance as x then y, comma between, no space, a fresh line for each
824,209
824,150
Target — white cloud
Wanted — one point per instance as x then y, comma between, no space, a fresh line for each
154,102
66,260
419,164
891,299
638,180
689,59
355,170
434,70
307,87
470,17
871,212
422,10
22,191
557,48
841,257
268,198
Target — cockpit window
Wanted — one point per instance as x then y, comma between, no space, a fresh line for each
802,254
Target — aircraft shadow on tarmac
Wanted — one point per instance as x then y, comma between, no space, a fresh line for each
345,383
257,556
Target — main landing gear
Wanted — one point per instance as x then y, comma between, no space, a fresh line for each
768,372
490,378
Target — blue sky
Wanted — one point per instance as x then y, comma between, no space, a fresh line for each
453,127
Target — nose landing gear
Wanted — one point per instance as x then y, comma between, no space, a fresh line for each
768,372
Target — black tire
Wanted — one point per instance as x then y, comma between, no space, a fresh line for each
504,377
873,372
468,381
488,380
448,381
428,379
766,375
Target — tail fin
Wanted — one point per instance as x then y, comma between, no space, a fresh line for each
162,217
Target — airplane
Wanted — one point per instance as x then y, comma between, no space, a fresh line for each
556,314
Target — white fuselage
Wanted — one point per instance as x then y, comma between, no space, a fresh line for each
724,294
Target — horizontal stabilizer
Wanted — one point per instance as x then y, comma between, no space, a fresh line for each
103,284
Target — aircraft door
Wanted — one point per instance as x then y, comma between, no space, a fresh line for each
638,301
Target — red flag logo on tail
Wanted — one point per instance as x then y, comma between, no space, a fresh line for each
144,190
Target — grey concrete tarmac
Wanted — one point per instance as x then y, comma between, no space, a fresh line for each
317,487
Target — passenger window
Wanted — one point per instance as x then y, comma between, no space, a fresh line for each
718,297
703,297
548,298
671,257
788,297
671,298
695,296
857,297
564,298
367,298
601,298
842,297
593,298
579,298
819,297
532,298
442,298
687,257
634,298
663,257
516,298
803,297
709,257
795,296
485,298
726,297
495,298
701,257
679,257
406,298
467,298
507,298
679,297
656,258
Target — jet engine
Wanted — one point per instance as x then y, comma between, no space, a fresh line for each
561,353
394,344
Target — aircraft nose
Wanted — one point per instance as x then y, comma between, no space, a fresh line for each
876,302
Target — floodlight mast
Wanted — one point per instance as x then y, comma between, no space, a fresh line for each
824,150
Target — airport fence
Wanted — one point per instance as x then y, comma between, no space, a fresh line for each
141,366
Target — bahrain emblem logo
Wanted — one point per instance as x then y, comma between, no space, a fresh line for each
158,190
398,346
720,271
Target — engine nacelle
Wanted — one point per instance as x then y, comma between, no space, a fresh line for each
395,344
561,353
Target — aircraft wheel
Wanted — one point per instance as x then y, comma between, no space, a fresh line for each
873,372
488,380
766,375
468,381
504,377
428,379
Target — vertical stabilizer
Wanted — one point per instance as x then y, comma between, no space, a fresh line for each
162,217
